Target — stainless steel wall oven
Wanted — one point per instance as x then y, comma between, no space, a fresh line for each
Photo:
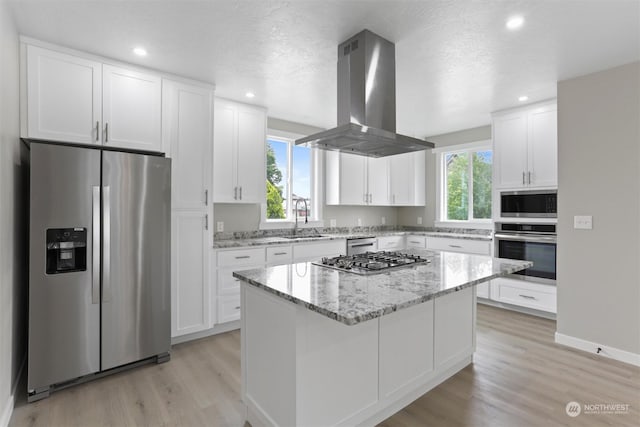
529,242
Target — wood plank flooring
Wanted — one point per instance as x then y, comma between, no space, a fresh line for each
519,377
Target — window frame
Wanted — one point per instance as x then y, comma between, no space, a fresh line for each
441,193
315,218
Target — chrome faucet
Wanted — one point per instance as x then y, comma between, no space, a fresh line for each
306,211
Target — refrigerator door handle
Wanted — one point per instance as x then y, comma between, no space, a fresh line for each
95,271
106,248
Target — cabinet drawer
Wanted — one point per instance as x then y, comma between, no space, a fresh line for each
417,242
228,308
279,255
482,290
525,294
306,251
240,257
387,243
459,245
227,284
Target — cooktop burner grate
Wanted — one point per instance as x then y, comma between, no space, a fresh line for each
372,262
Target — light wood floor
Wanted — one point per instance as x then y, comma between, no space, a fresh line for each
519,378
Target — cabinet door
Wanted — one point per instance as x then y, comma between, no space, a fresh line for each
190,303
419,176
64,97
353,169
510,150
252,140
378,181
188,122
131,109
401,179
543,147
224,166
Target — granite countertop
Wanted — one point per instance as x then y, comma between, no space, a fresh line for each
279,240
351,298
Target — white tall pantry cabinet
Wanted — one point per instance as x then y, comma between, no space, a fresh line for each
187,115
239,152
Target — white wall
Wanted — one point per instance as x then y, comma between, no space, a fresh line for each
408,216
12,219
599,175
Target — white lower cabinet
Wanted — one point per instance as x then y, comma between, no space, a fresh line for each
391,243
190,310
525,294
415,241
226,292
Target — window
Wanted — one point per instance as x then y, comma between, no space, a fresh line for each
465,182
289,179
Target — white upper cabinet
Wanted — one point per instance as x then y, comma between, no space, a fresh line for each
64,97
187,115
239,142
407,179
131,104
378,181
72,99
525,142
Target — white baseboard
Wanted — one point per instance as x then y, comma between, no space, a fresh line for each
217,329
5,415
592,347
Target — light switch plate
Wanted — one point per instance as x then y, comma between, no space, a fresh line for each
359,222
419,220
220,226
583,222
383,220
332,222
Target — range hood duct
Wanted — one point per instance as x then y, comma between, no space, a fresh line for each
366,102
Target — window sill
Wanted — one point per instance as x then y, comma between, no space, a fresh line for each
483,225
273,225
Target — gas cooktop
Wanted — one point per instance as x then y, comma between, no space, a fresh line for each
372,262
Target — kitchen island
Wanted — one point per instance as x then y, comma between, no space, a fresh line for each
323,347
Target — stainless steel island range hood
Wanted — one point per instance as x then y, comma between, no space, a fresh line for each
366,102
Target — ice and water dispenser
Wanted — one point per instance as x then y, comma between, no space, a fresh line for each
66,250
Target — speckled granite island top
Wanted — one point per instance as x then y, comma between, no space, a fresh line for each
351,298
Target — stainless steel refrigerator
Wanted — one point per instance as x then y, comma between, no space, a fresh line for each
99,262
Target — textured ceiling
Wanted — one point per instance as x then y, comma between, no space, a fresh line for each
456,62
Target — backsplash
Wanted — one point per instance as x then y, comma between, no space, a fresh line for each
257,234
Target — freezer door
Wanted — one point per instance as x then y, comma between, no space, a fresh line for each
64,309
136,291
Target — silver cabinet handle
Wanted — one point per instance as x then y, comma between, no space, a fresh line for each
106,132
237,307
280,253
364,196
106,248
523,178
413,241
206,197
370,198
527,296
455,246
98,131
206,221
361,245
95,272
529,174
241,192
243,257
235,193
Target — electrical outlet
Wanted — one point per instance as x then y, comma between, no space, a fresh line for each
359,222
383,220
419,220
333,223
220,226
583,222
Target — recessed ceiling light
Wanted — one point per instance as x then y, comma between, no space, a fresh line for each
250,95
523,98
140,51
515,22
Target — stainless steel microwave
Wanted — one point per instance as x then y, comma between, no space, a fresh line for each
529,204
